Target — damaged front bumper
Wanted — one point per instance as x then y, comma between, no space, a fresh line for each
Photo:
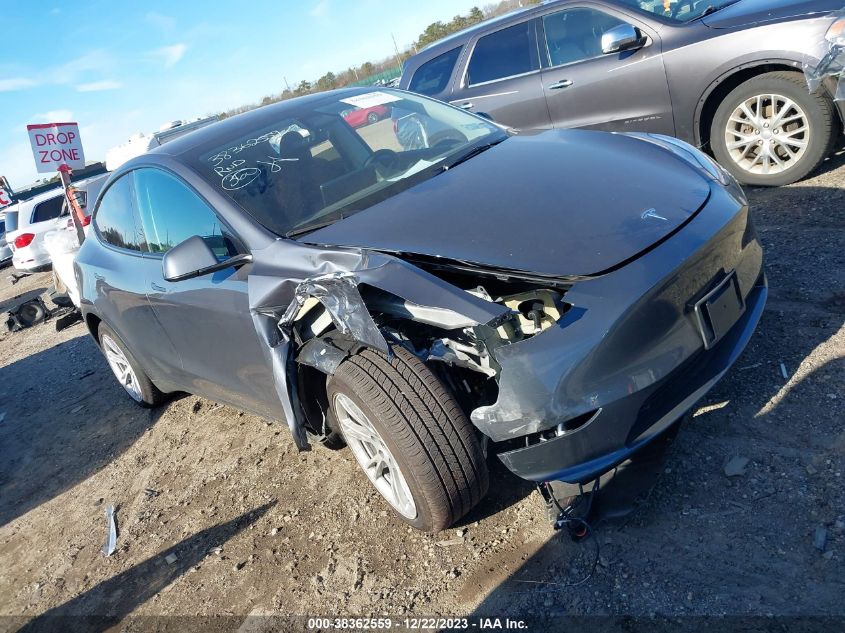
825,67
629,358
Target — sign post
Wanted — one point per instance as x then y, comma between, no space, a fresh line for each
58,147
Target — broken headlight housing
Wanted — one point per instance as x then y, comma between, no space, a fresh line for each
836,32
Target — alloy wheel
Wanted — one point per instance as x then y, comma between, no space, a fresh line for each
121,368
373,455
767,134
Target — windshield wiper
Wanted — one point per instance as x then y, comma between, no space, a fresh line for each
475,151
712,9
308,228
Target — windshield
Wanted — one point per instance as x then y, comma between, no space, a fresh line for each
340,156
679,10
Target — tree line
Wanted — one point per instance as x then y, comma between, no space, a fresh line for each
361,73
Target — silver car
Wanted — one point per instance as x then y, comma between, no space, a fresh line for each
5,250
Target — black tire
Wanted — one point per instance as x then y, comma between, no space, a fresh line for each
817,106
373,117
426,431
31,313
150,396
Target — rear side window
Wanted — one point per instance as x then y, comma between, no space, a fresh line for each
115,217
48,210
433,76
171,212
11,221
501,54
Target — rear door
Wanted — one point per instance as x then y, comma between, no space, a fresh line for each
501,77
625,91
207,318
115,279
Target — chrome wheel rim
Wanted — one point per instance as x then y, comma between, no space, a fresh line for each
373,456
767,134
121,368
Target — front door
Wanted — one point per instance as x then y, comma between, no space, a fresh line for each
584,87
208,317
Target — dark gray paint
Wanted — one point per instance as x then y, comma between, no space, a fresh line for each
660,88
527,213
630,330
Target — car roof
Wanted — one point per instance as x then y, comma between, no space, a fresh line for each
212,135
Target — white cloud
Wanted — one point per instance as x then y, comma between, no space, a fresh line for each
170,55
161,21
98,86
320,10
53,116
16,83
98,61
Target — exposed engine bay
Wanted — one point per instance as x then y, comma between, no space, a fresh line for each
458,348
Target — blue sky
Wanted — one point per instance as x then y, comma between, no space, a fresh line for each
118,68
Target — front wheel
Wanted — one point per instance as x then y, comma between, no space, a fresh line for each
410,437
771,131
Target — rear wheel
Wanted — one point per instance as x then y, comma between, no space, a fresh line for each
772,131
409,436
372,117
126,369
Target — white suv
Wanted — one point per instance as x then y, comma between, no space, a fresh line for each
26,224
29,220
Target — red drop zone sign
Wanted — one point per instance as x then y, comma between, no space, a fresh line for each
5,198
56,144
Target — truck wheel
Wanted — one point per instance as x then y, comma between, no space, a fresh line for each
126,369
410,437
771,131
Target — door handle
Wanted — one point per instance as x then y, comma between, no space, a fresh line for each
563,83
466,105
157,288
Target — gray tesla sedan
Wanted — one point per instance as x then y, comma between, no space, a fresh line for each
559,299
724,75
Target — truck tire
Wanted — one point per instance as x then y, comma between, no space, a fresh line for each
410,436
772,131
126,369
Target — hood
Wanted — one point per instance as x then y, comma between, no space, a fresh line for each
747,13
566,203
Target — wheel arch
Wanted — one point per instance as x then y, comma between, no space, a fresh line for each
92,322
720,87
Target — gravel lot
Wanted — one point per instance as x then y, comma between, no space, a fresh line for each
257,528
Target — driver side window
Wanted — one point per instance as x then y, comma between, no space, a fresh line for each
574,35
171,212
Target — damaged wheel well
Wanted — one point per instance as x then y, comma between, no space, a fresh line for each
723,87
92,322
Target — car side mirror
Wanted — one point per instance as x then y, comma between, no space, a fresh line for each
624,37
194,258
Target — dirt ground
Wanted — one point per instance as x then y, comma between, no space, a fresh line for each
257,528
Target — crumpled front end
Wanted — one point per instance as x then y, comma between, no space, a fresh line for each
632,354
566,376
826,66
